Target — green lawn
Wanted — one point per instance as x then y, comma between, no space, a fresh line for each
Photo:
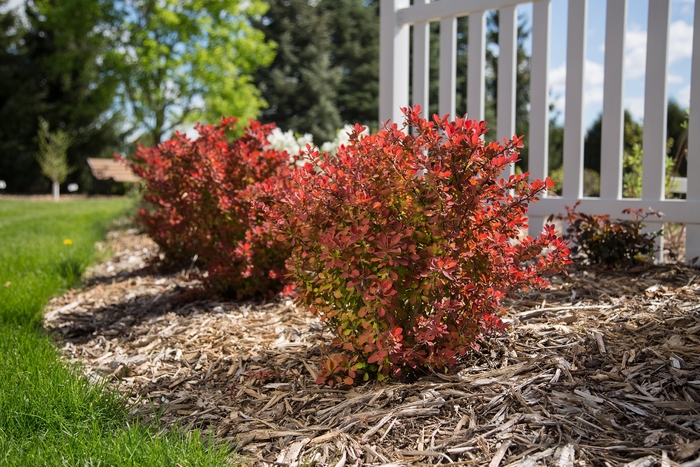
49,414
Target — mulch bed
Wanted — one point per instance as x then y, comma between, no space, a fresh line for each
601,369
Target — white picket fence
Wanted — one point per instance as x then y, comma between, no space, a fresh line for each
397,16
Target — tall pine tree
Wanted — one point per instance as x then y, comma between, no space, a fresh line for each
354,29
301,86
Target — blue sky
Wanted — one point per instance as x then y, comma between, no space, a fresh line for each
680,49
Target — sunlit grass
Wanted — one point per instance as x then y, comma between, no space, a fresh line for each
49,413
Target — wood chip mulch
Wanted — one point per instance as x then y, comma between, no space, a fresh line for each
602,369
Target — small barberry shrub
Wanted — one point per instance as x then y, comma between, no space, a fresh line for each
203,196
613,243
405,244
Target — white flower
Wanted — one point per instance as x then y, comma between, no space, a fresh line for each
329,146
284,141
342,139
304,140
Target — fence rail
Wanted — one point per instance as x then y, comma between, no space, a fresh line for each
398,16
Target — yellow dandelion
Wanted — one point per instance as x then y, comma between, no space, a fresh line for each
67,241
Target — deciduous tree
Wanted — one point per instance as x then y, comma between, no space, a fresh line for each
53,155
192,60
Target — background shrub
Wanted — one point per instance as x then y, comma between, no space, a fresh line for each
619,243
405,245
202,197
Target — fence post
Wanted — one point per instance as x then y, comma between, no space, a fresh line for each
573,125
539,101
448,67
692,231
477,65
613,93
507,77
421,65
394,49
655,95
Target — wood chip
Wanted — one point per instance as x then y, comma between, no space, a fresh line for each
500,452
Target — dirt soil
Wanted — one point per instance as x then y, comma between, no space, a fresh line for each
602,369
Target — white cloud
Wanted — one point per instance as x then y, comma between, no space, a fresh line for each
680,42
635,52
557,79
679,49
593,83
683,96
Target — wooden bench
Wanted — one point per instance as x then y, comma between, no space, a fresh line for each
104,169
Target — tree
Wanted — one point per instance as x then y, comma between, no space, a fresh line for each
59,67
593,141
677,133
52,155
16,97
185,61
301,85
354,30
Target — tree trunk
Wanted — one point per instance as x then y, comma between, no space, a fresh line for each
55,190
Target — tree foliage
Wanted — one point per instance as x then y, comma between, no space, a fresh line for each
12,53
301,84
632,147
184,61
354,29
57,66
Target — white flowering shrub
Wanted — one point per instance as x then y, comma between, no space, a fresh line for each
341,139
287,141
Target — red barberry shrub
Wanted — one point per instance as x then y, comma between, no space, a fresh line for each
202,197
405,244
619,243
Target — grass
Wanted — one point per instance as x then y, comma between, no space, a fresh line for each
49,413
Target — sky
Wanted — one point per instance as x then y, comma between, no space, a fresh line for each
679,60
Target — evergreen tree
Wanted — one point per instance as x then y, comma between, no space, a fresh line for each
59,69
633,135
301,85
676,130
347,32
18,98
522,83
354,30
